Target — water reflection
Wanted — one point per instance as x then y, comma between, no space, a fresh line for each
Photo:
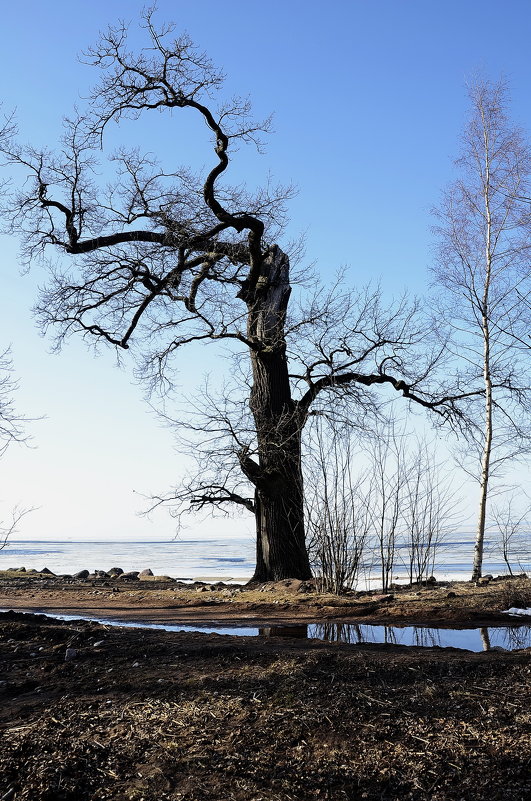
300,632
508,638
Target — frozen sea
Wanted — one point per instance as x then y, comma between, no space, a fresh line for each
188,559
229,559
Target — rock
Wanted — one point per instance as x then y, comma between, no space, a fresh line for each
101,574
82,574
146,572
383,598
132,575
31,570
71,653
99,643
47,572
201,589
484,580
308,586
431,580
136,664
115,571
451,594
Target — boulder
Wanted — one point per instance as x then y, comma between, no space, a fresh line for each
82,574
115,571
132,575
385,598
47,572
145,573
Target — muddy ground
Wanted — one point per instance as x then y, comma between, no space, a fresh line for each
91,712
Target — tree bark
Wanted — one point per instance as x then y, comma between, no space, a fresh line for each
280,538
479,545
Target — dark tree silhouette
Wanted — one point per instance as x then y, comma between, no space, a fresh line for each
164,259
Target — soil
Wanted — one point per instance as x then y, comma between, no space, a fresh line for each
90,712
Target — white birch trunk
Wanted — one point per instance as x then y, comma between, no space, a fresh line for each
487,378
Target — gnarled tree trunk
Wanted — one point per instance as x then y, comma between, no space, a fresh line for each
279,509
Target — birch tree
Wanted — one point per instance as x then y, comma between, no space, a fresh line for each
483,264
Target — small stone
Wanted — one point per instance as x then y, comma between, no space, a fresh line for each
71,653
451,594
136,664
99,643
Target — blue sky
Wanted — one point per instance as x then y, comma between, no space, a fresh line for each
369,102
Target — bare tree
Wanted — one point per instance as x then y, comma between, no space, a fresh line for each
383,501
430,511
514,542
483,264
388,463
9,527
11,422
164,258
337,508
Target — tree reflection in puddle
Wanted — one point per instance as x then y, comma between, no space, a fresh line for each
507,638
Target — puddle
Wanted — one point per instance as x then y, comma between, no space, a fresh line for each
508,638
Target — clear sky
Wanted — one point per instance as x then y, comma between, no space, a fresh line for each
369,102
